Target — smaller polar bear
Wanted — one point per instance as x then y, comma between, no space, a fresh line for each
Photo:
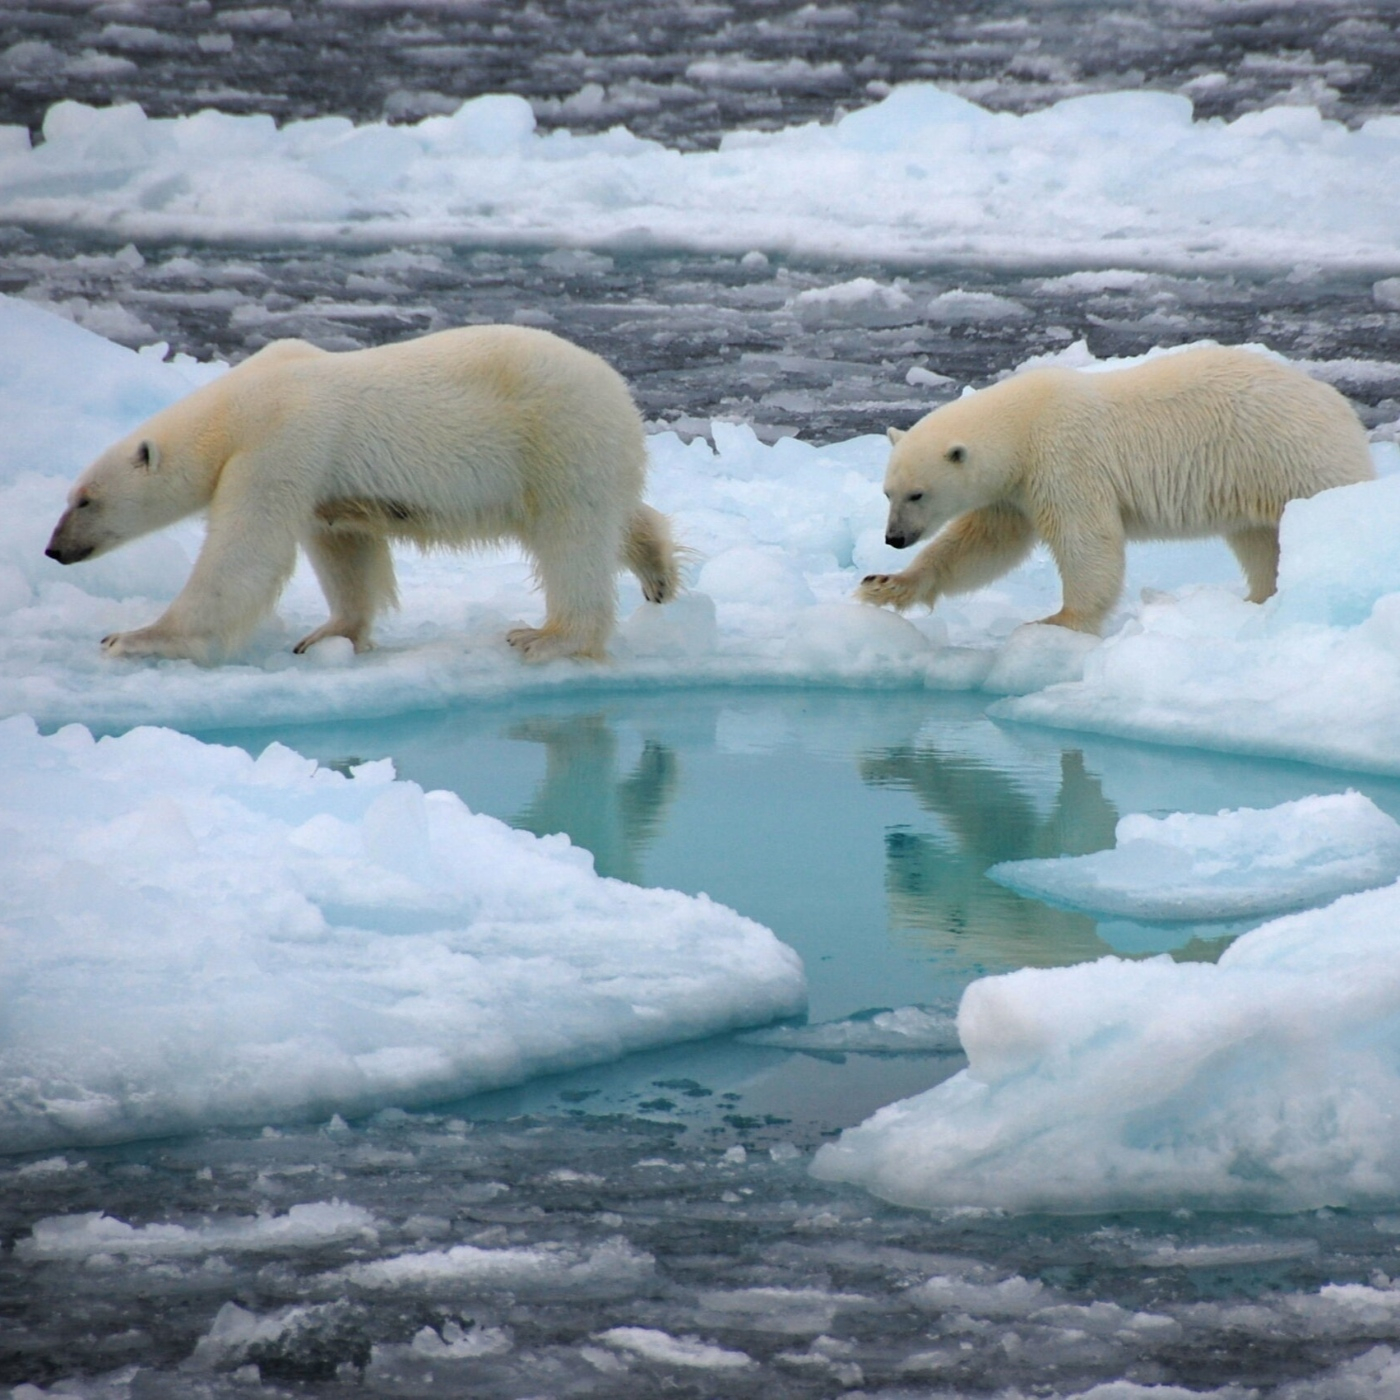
1208,441
463,437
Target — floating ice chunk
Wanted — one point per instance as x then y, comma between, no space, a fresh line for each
920,377
796,1311
197,937
612,1266
297,1338
852,639
959,307
755,577
494,125
1387,293
921,175
1266,1081
905,1031
685,627
307,1226
904,120
1012,1297
1228,866
1339,555
862,302
457,1343
653,1345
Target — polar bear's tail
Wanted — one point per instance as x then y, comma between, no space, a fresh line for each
650,552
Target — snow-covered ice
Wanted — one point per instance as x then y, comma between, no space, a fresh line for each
781,534
1125,177
1267,1081
194,936
1312,675
1228,866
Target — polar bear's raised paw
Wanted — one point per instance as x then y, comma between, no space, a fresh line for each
887,591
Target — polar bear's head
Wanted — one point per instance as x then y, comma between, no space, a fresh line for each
157,475
956,459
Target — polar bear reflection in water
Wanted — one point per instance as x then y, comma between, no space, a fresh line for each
938,893
584,794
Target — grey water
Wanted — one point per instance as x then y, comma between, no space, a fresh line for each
671,1190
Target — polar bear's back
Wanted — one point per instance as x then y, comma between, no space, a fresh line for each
1215,436
466,431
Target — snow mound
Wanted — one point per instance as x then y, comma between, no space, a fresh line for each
194,936
1228,866
1267,1081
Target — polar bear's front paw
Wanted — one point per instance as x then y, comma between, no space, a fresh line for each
542,644
151,641
888,590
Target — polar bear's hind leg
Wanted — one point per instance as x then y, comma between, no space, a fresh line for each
1257,550
650,553
356,573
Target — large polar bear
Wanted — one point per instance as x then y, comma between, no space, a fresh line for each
1207,441
465,436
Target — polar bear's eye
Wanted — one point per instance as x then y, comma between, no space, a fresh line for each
916,496
956,454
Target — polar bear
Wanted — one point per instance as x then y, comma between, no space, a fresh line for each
462,437
1206,441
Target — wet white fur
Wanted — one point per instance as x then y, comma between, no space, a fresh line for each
462,437
1209,441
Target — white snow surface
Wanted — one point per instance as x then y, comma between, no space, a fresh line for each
1228,866
1267,1081
1117,179
193,936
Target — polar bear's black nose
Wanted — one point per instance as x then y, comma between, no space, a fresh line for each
66,554
896,541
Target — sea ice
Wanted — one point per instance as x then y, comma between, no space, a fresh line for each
195,936
1127,175
1228,866
781,535
1313,675
1267,1081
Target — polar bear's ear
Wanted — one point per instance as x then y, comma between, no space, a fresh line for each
956,454
147,456
894,434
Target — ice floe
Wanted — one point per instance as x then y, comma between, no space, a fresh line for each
1266,1081
923,174
1228,866
194,936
